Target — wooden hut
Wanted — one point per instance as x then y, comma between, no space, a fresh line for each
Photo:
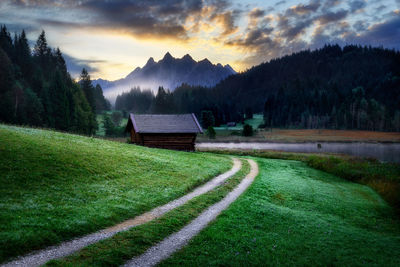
172,131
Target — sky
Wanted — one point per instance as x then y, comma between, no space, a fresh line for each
111,38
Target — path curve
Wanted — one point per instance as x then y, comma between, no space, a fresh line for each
176,241
40,257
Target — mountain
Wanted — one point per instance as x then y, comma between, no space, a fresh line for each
350,87
170,73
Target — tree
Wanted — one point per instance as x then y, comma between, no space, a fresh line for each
59,102
163,102
41,49
6,41
207,118
116,118
211,132
108,125
100,102
88,89
247,130
248,113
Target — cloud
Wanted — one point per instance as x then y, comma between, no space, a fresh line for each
75,65
256,13
303,9
385,34
255,32
332,16
140,18
357,5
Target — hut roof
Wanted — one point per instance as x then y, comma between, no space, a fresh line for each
171,123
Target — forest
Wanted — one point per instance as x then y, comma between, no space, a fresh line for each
37,90
351,87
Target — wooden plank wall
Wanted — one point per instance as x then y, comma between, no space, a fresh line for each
169,141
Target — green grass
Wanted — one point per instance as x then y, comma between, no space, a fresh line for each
56,186
125,245
296,215
384,178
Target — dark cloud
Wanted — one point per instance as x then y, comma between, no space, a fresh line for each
332,16
302,9
256,13
329,4
76,65
280,3
145,18
308,24
141,18
357,5
360,26
385,34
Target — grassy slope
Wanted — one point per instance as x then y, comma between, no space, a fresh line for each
384,178
126,245
296,215
56,186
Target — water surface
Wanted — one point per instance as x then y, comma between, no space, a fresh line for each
387,152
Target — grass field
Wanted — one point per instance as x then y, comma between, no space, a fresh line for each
383,177
56,186
294,215
126,245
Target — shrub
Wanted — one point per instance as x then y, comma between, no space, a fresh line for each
211,132
247,130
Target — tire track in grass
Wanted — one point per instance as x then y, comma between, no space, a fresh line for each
66,248
176,241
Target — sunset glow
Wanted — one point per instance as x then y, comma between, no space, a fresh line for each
111,38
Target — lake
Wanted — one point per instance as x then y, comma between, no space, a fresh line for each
387,152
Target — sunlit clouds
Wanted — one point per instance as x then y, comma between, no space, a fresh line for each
111,38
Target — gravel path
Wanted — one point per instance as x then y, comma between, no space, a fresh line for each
66,248
176,241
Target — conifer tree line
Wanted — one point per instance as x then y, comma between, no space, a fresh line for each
351,87
37,90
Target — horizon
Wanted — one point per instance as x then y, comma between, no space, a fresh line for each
112,38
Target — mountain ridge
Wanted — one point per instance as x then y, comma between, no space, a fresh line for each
168,72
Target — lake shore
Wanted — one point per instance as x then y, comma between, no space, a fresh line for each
276,135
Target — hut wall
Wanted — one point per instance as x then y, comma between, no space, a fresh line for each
177,141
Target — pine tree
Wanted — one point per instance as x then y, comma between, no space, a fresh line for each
88,90
6,41
87,87
41,49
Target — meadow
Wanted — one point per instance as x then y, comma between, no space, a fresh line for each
294,215
302,209
56,186
233,134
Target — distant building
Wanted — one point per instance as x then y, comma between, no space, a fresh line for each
177,131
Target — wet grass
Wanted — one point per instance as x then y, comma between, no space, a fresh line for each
384,178
126,245
56,186
295,215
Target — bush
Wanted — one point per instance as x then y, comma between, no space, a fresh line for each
211,132
247,130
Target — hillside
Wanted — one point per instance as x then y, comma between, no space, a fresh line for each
56,186
168,72
299,217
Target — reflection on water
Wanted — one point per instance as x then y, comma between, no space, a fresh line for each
383,152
